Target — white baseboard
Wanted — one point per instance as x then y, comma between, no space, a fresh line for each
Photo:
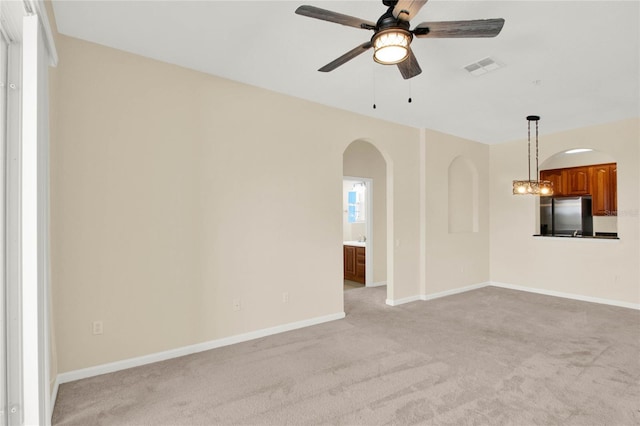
453,291
54,396
567,295
396,302
200,347
378,284
579,297
97,370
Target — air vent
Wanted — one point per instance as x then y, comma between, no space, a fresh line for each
483,66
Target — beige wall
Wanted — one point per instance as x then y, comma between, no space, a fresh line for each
454,259
361,159
592,268
175,192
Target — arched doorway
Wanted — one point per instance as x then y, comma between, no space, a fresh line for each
365,186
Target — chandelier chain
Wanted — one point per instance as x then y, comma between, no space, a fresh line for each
535,186
537,171
529,147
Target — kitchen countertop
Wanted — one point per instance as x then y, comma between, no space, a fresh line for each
354,243
580,237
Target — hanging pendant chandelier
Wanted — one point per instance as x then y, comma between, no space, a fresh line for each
532,187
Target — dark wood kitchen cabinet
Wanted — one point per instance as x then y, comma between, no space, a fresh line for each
599,181
603,189
577,181
556,178
354,263
613,178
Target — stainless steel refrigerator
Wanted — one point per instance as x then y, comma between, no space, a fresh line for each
566,216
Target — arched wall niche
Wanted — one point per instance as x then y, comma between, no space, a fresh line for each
463,197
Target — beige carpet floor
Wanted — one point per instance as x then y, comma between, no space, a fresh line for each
486,357
350,285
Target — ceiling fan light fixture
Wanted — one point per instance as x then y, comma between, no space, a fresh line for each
392,36
391,46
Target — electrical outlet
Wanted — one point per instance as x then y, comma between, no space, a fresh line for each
285,297
236,304
97,327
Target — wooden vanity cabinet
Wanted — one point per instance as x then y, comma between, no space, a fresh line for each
349,263
599,181
354,263
360,265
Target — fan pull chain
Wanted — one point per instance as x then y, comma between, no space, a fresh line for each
374,88
410,100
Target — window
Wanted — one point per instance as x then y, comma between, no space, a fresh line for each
356,203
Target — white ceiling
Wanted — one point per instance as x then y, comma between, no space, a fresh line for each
574,63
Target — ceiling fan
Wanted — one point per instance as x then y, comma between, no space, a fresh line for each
392,37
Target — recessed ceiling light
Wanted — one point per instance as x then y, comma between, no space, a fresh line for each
577,150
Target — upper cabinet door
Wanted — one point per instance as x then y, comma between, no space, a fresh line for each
556,178
600,189
577,180
613,188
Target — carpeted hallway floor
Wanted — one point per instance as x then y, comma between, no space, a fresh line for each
350,285
486,357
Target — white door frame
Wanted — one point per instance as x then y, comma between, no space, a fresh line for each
25,167
4,86
368,184
11,28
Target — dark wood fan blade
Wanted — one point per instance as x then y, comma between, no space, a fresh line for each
409,67
460,29
338,18
407,9
346,57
